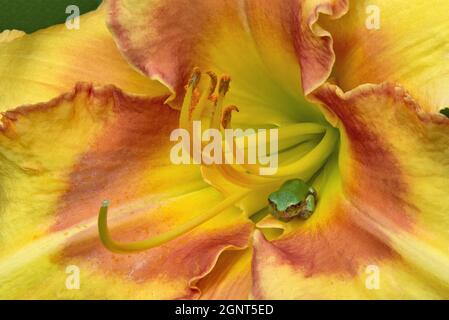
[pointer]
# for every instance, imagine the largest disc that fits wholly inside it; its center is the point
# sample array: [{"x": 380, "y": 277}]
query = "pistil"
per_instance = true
[{"x": 163, "y": 238}]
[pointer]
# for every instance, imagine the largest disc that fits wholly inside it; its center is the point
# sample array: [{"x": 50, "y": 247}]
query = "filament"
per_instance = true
[{"x": 312, "y": 161}]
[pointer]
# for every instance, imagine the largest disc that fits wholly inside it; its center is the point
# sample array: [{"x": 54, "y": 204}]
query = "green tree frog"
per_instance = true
[{"x": 295, "y": 198}]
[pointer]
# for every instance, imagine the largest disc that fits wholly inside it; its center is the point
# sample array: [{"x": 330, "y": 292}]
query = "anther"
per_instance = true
[
  {"x": 224, "y": 85},
  {"x": 213, "y": 82},
  {"x": 189, "y": 98},
  {"x": 195, "y": 78},
  {"x": 227, "y": 115}
]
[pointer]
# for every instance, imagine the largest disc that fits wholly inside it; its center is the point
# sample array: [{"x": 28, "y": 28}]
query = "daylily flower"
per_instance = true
[{"x": 361, "y": 125}]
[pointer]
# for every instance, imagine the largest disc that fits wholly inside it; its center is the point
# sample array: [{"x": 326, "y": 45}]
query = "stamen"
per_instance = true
[
  {"x": 223, "y": 88},
  {"x": 224, "y": 85},
  {"x": 185, "y": 109},
  {"x": 163, "y": 238},
  {"x": 205, "y": 97}
]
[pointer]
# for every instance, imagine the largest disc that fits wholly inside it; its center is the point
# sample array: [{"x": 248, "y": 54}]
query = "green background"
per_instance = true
[{"x": 31, "y": 15}]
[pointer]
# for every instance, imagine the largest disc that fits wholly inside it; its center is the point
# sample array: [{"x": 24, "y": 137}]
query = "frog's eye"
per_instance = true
[{"x": 312, "y": 191}]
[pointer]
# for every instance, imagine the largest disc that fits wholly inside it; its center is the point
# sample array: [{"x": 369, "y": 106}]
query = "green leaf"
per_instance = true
[{"x": 31, "y": 15}]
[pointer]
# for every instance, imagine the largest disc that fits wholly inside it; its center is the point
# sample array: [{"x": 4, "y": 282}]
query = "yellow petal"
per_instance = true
[
  {"x": 380, "y": 229},
  {"x": 60, "y": 159},
  {"x": 47, "y": 63},
  {"x": 395, "y": 41}
]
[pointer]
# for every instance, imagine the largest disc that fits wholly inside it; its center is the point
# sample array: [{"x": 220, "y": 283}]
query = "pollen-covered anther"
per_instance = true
[
  {"x": 227, "y": 115},
  {"x": 191, "y": 99},
  {"x": 195, "y": 78},
  {"x": 223, "y": 87},
  {"x": 213, "y": 83}
]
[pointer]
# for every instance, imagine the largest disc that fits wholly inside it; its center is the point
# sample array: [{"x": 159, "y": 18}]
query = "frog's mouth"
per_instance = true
[{"x": 303, "y": 149}]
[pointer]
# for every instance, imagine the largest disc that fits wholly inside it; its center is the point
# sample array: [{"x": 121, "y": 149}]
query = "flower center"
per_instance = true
[
  {"x": 301, "y": 151},
  {"x": 303, "y": 147}
]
